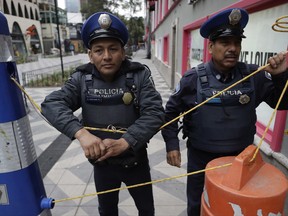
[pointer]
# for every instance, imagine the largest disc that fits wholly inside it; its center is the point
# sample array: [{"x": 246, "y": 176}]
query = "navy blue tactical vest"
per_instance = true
[
  {"x": 227, "y": 122},
  {"x": 104, "y": 107}
]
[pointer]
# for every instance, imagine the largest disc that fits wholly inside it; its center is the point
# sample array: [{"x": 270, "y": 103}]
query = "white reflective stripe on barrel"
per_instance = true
[{"x": 17, "y": 149}]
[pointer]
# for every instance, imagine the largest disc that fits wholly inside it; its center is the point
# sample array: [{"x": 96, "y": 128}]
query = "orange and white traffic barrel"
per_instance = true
[
  {"x": 22, "y": 192},
  {"x": 247, "y": 187}
]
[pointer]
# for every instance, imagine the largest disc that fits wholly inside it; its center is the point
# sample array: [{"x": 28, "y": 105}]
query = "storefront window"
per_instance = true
[{"x": 195, "y": 49}]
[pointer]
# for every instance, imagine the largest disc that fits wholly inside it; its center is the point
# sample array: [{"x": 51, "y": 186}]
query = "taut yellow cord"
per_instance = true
[
  {"x": 269, "y": 123},
  {"x": 219, "y": 93},
  {"x": 143, "y": 184},
  {"x": 26, "y": 94},
  {"x": 114, "y": 130},
  {"x": 173, "y": 177},
  {"x": 277, "y": 23}
]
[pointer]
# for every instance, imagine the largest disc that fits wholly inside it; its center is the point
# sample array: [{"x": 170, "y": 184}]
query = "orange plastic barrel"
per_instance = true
[{"x": 244, "y": 188}]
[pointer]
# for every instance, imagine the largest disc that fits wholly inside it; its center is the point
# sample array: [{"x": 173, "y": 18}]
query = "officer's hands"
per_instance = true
[
  {"x": 278, "y": 64},
  {"x": 174, "y": 158},
  {"x": 114, "y": 147},
  {"x": 92, "y": 146}
]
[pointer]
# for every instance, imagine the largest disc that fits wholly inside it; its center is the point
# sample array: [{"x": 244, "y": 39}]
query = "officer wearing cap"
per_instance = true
[
  {"x": 117, "y": 94},
  {"x": 225, "y": 125}
]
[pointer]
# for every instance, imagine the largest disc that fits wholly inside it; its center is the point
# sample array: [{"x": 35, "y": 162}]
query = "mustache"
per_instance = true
[{"x": 231, "y": 55}]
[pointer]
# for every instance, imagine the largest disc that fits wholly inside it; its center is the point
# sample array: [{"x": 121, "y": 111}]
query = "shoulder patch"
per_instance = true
[{"x": 177, "y": 89}]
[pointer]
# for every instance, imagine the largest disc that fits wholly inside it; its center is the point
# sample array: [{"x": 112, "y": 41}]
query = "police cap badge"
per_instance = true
[
  {"x": 104, "y": 21},
  {"x": 230, "y": 22},
  {"x": 234, "y": 17},
  {"x": 244, "y": 99},
  {"x": 103, "y": 25}
]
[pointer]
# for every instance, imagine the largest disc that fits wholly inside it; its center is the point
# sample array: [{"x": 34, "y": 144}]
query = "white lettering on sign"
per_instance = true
[
  {"x": 262, "y": 42},
  {"x": 258, "y": 58}
]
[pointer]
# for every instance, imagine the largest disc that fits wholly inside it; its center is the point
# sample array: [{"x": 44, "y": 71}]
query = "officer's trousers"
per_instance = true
[
  {"x": 197, "y": 160},
  {"x": 108, "y": 177}
]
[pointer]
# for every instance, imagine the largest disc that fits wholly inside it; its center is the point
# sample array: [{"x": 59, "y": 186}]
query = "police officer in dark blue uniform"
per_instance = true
[
  {"x": 226, "y": 124},
  {"x": 113, "y": 93}
]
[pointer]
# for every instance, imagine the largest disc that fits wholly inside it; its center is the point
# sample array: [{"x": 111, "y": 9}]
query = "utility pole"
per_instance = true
[{"x": 59, "y": 39}]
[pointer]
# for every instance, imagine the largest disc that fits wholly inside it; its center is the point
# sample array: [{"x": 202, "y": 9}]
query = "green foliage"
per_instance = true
[
  {"x": 93, "y": 6},
  {"x": 134, "y": 24},
  {"x": 132, "y": 6},
  {"x": 49, "y": 80},
  {"x": 112, "y": 6},
  {"x": 136, "y": 30}
]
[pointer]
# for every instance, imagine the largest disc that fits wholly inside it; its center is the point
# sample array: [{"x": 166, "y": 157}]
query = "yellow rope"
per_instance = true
[
  {"x": 182, "y": 175},
  {"x": 114, "y": 130},
  {"x": 26, "y": 94},
  {"x": 219, "y": 93},
  {"x": 173, "y": 177},
  {"x": 143, "y": 184},
  {"x": 187, "y": 174},
  {"x": 121, "y": 131},
  {"x": 277, "y": 23},
  {"x": 107, "y": 130},
  {"x": 280, "y": 24},
  {"x": 173, "y": 120},
  {"x": 269, "y": 123}
]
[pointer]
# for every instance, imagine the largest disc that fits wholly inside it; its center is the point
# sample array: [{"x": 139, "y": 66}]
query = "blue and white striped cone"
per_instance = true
[{"x": 21, "y": 187}]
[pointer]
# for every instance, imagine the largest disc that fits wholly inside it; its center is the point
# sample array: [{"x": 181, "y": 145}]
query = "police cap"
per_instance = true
[
  {"x": 230, "y": 22},
  {"x": 103, "y": 25}
]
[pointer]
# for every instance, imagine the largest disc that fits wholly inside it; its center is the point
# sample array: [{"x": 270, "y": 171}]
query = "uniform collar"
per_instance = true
[
  {"x": 219, "y": 76},
  {"x": 97, "y": 74}
]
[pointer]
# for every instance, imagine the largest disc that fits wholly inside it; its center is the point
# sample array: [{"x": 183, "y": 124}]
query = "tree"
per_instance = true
[
  {"x": 132, "y": 6},
  {"x": 112, "y": 6},
  {"x": 92, "y": 6},
  {"x": 134, "y": 24},
  {"x": 136, "y": 30}
]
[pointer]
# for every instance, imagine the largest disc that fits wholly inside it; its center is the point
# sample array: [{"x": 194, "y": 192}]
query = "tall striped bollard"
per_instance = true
[{"x": 22, "y": 192}]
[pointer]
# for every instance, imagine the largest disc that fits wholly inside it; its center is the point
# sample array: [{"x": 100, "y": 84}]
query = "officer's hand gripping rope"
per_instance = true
[{"x": 216, "y": 95}]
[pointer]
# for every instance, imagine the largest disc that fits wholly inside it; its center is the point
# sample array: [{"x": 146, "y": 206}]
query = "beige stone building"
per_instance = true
[{"x": 33, "y": 26}]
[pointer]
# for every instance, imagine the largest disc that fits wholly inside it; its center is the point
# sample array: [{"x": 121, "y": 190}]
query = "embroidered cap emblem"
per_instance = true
[
  {"x": 104, "y": 21},
  {"x": 244, "y": 99},
  {"x": 235, "y": 16}
]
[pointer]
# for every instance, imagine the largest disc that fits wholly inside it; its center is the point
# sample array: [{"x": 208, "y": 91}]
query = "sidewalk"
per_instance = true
[{"x": 72, "y": 175}]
